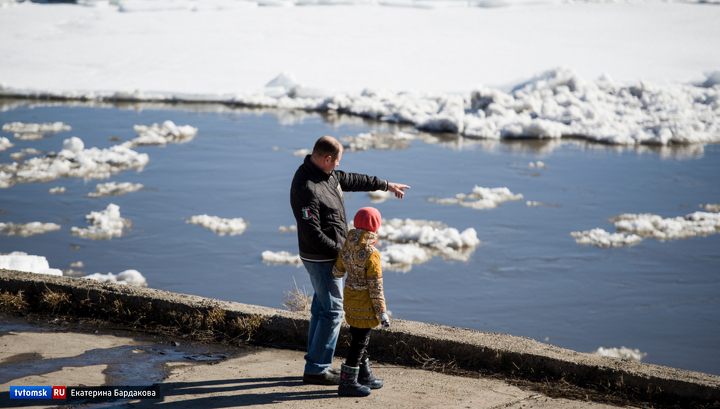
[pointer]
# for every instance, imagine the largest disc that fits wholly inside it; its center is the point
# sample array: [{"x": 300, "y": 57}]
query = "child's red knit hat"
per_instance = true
[{"x": 367, "y": 218}]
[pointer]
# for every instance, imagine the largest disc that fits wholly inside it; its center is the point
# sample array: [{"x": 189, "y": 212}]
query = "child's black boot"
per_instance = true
[
  {"x": 348, "y": 382},
  {"x": 365, "y": 376}
]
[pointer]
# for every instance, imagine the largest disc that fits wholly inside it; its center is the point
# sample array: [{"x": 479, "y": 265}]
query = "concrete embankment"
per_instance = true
[{"x": 436, "y": 347}]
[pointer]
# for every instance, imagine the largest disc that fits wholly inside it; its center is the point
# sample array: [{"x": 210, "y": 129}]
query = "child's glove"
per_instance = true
[{"x": 385, "y": 320}]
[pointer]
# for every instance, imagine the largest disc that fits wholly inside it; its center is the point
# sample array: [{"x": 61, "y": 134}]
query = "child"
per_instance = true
[{"x": 364, "y": 301}]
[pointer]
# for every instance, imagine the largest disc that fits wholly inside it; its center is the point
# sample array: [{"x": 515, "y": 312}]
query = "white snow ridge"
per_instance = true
[
  {"x": 106, "y": 224},
  {"x": 219, "y": 225},
  {"x": 481, "y": 198}
]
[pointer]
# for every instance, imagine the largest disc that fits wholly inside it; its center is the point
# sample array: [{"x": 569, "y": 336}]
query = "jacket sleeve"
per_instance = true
[
  {"x": 375, "y": 283},
  {"x": 309, "y": 226},
  {"x": 356, "y": 182},
  {"x": 339, "y": 268}
]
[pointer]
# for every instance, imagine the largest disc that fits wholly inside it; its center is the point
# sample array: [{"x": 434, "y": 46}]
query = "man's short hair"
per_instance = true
[{"x": 326, "y": 146}]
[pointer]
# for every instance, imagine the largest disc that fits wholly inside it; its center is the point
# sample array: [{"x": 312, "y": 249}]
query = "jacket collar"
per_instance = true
[{"x": 315, "y": 169}]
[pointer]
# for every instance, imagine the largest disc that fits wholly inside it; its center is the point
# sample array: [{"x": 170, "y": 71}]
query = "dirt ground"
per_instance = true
[{"x": 34, "y": 353}]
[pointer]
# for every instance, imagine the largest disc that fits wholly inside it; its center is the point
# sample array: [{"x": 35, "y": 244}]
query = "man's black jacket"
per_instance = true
[{"x": 319, "y": 208}]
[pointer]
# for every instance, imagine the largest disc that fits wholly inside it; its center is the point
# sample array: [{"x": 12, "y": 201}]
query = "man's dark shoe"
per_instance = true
[{"x": 325, "y": 378}]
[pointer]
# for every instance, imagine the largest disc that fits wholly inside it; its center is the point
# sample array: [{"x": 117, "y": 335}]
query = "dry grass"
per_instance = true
[
  {"x": 297, "y": 299},
  {"x": 54, "y": 301},
  {"x": 13, "y": 302}
]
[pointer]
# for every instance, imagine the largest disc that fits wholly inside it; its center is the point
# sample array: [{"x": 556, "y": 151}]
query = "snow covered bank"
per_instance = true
[
  {"x": 72, "y": 161},
  {"x": 219, "y": 225},
  {"x": 106, "y": 224},
  {"x": 553, "y": 104},
  {"x": 21, "y": 261},
  {"x": 27, "y": 229},
  {"x": 481, "y": 198}
]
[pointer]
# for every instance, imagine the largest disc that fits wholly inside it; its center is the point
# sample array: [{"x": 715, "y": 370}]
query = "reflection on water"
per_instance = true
[{"x": 527, "y": 278}]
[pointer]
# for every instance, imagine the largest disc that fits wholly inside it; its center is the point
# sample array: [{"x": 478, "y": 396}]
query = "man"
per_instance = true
[{"x": 316, "y": 197}]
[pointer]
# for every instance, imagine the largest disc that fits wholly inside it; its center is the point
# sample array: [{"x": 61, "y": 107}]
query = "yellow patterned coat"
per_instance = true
[{"x": 363, "y": 297}]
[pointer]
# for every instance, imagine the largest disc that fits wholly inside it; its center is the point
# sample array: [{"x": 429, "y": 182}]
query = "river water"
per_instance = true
[{"x": 528, "y": 277}]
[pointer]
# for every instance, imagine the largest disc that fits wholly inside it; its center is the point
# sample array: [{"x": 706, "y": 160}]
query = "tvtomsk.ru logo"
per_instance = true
[{"x": 37, "y": 392}]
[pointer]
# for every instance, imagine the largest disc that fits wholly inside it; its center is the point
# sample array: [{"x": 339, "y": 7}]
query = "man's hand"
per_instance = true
[
  {"x": 385, "y": 320},
  {"x": 398, "y": 189}
]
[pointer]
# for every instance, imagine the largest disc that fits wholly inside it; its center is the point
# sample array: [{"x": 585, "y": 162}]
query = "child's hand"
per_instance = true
[{"x": 385, "y": 320}]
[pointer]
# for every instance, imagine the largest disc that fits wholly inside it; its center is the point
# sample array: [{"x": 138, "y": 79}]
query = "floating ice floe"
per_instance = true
[
  {"x": 416, "y": 241},
  {"x": 127, "y": 277},
  {"x": 219, "y": 225},
  {"x": 601, "y": 238},
  {"x": 658, "y": 227},
  {"x": 5, "y": 143},
  {"x": 377, "y": 140},
  {"x": 302, "y": 152},
  {"x": 27, "y": 229},
  {"x": 161, "y": 135},
  {"x": 711, "y": 207},
  {"x": 106, "y": 224},
  {"x": 538, "y": 204},
  {"x": 115, "y": 189},
  {"x": 282, "y": 257},
  {"x": 622, "y": 352},
  {"x": 34, "y": 131},
  {"x": 73, "y": 161},
  {"x": 21, "y": 261},
  {"x": 538, "y": 164},
  {"x": 57, "y": 189},
  {"x": 285, "y": 229},
  {"x": 481, "y": 198},
  {"x": 379, "y": 196}
]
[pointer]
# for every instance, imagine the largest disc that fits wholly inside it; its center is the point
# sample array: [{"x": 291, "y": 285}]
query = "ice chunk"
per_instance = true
[
  {"x": 127, "y": 277},
  {"x": 73, "y": 161},
  {"x": 161, "y": 135},
  {"x": 712, "y": 207},
  {"x": 219, "y": 225},
  {"x": 30, "y": 131},
  {"x": 115, "y": 189},
  {"x": 5, "y": 143},
  {"x": 622, "y": 352},
  {"x": 657, "y": 227},
  {"x": 601, "y": 238},
  {"x": 379, "y": 196},
  {"x": 21, "y": 261},
  {"x": 57, "y": 189},
  {"x": 481, "y": 198},
  {"x": 27, "y": 229},
  {"x": 106, "y": 224},
  {"x": 282, "y": 257}
]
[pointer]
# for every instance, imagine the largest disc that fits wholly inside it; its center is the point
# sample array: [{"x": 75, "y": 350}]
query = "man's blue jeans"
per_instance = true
[{"x": 326, "y": 316}]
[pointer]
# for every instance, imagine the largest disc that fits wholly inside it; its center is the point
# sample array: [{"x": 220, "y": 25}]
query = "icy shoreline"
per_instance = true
[{"x": 554, "y": 104}]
